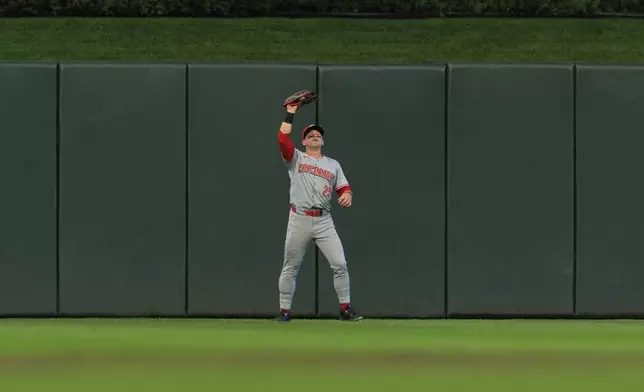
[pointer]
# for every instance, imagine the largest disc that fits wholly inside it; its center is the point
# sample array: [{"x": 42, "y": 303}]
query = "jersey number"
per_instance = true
[{"x": 327, "y": 191}]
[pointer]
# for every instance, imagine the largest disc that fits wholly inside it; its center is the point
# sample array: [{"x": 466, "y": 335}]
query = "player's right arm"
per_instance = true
[{"x": 287, "y": 148}]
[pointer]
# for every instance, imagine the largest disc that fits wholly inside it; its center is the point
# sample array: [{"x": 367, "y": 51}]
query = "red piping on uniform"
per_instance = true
[{"x": 287, "y": 148}]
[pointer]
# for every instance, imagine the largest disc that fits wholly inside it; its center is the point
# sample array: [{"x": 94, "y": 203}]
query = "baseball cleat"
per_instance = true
[
  {"x": 349, "y": 314},
  {"x": 284, "y": 316}
]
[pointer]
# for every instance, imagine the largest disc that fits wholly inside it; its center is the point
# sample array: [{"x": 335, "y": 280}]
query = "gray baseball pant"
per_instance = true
[{"x": 301, "y": 230}]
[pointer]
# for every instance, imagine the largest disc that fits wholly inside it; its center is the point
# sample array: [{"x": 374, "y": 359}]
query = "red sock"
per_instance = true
[
  {"x": 284, "y": 310},
  {"x": 344, "y": 307}
]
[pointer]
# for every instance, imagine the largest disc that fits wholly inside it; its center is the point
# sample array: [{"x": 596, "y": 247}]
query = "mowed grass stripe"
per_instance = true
[
  {"x": 322, "y": 40},
  {"x": 24, "y": 337},
  {"x": 441, "y": 379}
]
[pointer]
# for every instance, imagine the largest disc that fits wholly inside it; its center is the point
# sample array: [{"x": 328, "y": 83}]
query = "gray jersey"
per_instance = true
[{"x": 314, "y": 180}]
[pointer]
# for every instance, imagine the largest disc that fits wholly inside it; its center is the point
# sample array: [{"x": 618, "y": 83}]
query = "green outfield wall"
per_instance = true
[{"x": 142, "y": 189}]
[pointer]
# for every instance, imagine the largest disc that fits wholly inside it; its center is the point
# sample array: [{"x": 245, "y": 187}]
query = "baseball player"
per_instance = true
[{"x": 314, "y": 179}]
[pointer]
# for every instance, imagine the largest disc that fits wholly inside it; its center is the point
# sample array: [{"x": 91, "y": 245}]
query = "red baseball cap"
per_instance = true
[{"x": 310, "y": 128}]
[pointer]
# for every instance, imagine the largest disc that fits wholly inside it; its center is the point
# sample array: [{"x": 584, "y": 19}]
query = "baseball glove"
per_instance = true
[{"x": 300, "y": 98}]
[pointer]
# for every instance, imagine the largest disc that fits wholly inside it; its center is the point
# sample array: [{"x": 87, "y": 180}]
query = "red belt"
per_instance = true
[{"x": 309, "y": 212}]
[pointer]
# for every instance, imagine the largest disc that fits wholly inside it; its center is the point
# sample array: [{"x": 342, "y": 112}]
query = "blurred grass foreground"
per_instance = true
[{"x": 374, "y": 355}]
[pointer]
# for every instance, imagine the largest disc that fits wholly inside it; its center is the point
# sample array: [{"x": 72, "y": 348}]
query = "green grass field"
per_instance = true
[
  {"x": 322, "y": 40},
  {"x": 374, "y": 355}
]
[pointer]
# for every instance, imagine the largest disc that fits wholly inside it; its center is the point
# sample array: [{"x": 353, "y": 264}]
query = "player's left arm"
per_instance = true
[{"x": 343, "y": 188}]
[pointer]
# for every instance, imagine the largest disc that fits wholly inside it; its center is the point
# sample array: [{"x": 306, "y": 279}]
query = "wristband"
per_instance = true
[{"x": 289, "y": 118}]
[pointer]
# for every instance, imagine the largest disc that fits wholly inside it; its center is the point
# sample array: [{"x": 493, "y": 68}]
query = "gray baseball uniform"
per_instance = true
[{"x": 313, "y": 181}]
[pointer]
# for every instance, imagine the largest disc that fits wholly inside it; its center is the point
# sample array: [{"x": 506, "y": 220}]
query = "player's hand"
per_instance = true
[
  {"x": 345, "y": 200},
  {"x": 291, "y": 108}
]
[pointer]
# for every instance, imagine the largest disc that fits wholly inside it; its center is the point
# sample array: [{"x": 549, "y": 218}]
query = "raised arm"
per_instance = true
[
  {"x": 287, "y": 124},
  {"x": 287, "y": 149}
]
